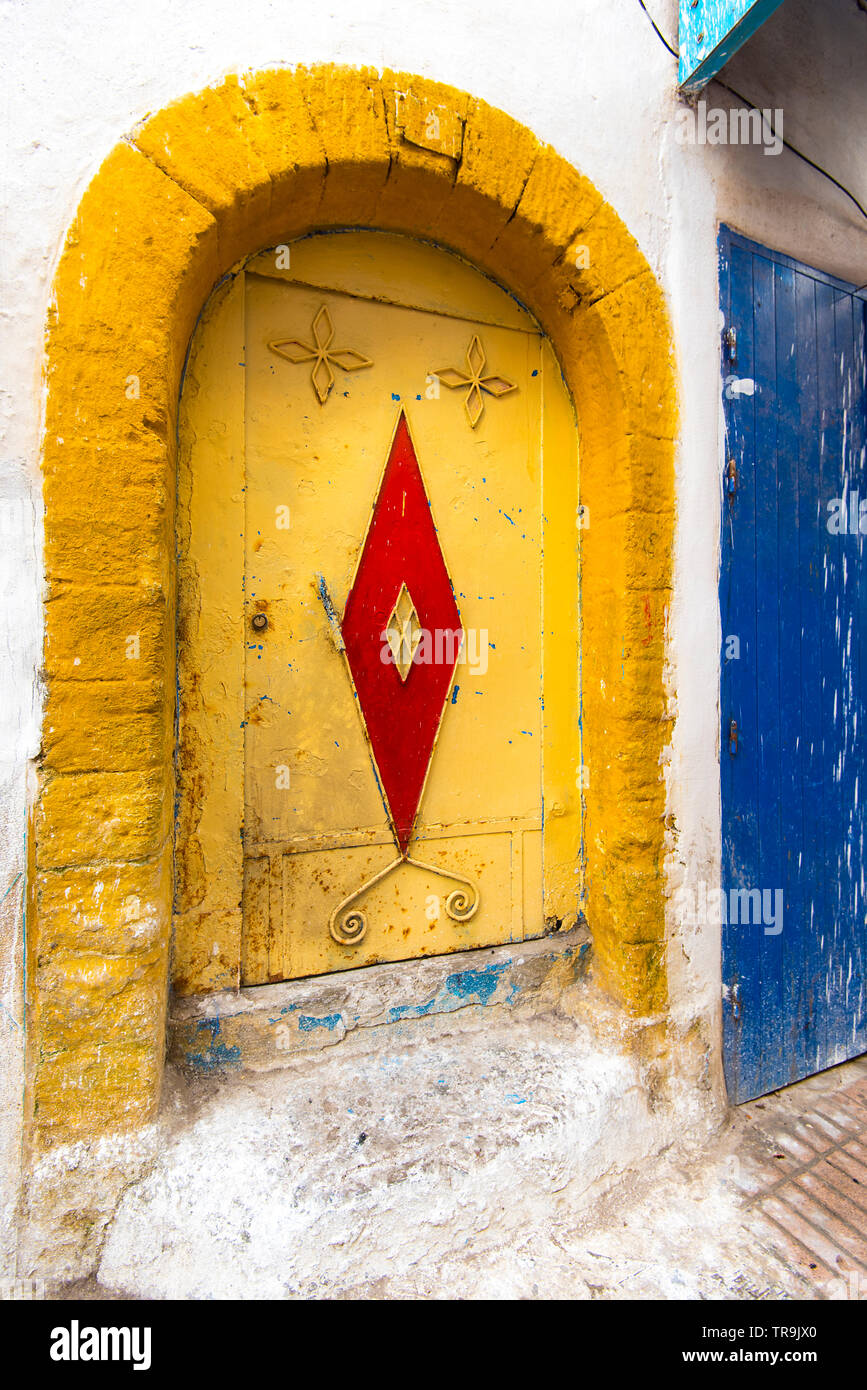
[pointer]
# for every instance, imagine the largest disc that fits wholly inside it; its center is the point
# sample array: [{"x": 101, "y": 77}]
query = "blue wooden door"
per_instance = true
[{"x": 793, "y": 601}]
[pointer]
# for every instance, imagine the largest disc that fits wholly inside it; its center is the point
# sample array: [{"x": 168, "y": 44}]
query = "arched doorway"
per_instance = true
[
  {"x": 378, "y": 600},
  {"x": 175, "y": 207}
]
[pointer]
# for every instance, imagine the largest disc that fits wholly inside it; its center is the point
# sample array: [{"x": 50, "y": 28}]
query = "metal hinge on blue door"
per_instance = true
[{"x": 793, "y": 600}]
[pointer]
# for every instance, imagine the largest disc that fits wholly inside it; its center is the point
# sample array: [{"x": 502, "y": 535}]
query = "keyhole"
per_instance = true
[{"x": 259, "y": 622}]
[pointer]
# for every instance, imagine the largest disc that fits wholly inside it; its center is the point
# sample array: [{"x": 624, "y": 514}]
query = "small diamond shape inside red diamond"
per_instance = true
[{"x": 402, "y": 713}]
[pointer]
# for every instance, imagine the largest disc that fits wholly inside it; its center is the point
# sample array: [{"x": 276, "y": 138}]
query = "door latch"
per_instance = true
[{"x": 733, "y": 737}]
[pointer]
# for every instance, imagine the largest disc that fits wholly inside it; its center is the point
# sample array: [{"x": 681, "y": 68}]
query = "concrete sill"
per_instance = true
[{"x": 264, "y": 1027}]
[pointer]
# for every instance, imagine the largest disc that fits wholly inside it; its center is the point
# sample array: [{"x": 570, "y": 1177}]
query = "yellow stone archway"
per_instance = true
[{"x": 197, "y": 188}]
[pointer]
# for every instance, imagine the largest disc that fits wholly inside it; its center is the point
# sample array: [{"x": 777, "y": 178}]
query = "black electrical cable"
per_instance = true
[
  {"x": 806, "y": 158},
  {"x": 673, "y": 51},
  {"x": 746, "y": 101}
]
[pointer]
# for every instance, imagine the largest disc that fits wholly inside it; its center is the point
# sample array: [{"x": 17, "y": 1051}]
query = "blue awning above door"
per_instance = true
[{"x": 711, "y": 31}]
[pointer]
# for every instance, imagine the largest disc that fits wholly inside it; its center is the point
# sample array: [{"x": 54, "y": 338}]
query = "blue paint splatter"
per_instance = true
[
  {"x": 401, "y": 1011},
  {"x": 216, "y": 1055},
  {"x": 455, "y": 694},
  {"x": 287, "y": 1009},
  {"x": 481, "y": 982},
  {"x": 307, "y": 1022},
  {"x": 217, "y": 1058}
]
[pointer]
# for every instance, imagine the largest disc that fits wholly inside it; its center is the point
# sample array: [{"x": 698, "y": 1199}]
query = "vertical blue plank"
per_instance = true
[
  {"x": 847, "y": 978},
  {"x": 740, "y": 826},
  {"x": 832, "y": 479},
  {"x": 858, "y": 431},
  {"x": 804, "y": 954},
  {"x": 783, "y": 953},
  {"x": 728, "y": 665},
  {"x": 768, "y": 593}
]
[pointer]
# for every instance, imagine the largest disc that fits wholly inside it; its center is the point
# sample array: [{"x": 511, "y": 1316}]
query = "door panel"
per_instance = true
[
  {"x": 287, "y": 891},
  {"x": 792, "y": 597},
  {"x": 371, "y": 344},
  {"x": 329, "y": 461},
  {"x": 302, "y": 712}
]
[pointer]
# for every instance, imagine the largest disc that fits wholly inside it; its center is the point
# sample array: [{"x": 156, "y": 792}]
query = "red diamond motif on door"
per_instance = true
[{"x": 402, "y": 647}]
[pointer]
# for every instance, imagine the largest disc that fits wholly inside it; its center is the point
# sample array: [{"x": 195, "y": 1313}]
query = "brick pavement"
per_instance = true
[{"x": 803, "y": 1168}]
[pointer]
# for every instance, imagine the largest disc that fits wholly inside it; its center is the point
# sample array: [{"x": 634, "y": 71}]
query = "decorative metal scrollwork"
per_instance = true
[{"x": 348, "y": 924}]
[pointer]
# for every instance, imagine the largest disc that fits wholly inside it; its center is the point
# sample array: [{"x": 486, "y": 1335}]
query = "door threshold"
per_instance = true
[{"x": 264, "y": 1026}]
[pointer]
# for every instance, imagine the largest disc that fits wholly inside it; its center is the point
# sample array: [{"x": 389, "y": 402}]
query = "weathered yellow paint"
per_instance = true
[
  {"x": 100, "y": 909},
  {"x": 353, "y": 263},
  {"x": 314, "y": 825},
  {"x": 563, "y": 780},
  {"x": 87, "y": 817},
  {"x": 210, "y": 539},
  {"x": 204, "y": 184},
  {"x": 437, "y": 129}
]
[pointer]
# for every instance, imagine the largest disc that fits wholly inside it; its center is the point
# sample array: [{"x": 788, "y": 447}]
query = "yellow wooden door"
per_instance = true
[{"x": 404, "y": 554}]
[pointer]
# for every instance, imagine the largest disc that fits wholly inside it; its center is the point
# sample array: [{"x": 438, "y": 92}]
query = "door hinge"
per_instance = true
[
  {"x": 733, "y": 737},
  {"x": 731, "y": 478},
  {"x": 730, "y": 338}
]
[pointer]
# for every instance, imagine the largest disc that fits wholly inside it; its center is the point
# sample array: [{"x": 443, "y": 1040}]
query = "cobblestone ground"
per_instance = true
[{"x": 805, "y": 1176}]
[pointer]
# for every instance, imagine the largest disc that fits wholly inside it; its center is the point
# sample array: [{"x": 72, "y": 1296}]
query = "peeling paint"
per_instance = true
[{"x": 307, "y": 1022}]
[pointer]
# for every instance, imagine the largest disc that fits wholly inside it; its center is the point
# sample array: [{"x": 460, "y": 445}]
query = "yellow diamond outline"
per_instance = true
[{"x": 399, "y": 623}]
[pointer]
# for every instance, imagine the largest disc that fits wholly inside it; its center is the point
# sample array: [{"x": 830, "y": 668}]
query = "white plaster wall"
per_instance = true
[{"x": 589, "y": 76}]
